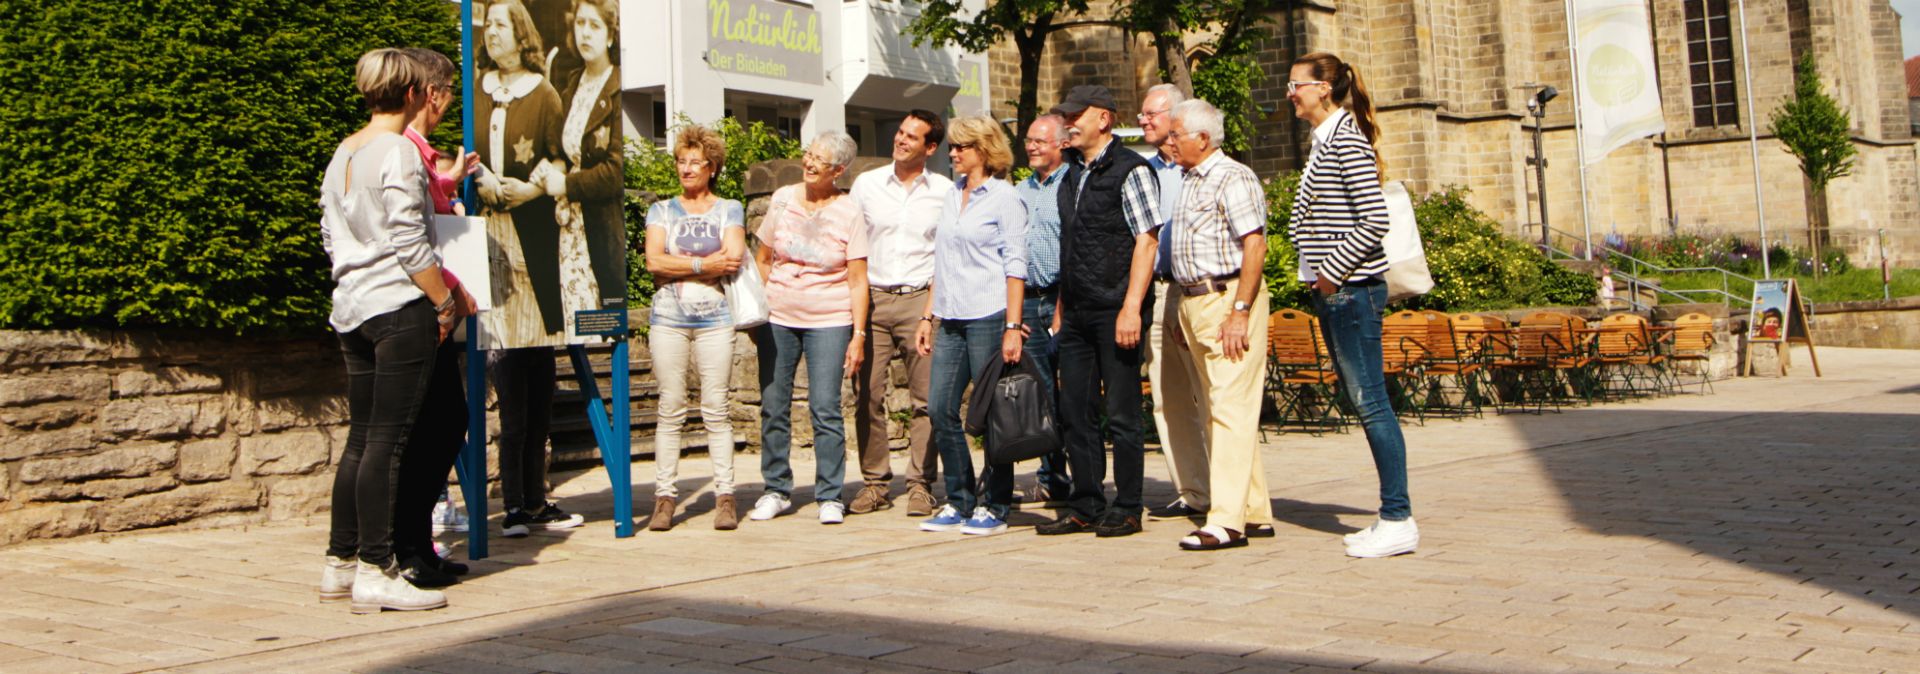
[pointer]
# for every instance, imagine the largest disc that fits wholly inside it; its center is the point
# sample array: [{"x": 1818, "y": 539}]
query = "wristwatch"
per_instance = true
[
  {"x": 1242, "y": 306},
  {"x": 1015, "y": 326}
]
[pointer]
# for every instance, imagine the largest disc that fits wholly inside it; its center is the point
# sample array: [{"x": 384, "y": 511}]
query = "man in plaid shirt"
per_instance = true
[{"x": 1219, "y": 245}]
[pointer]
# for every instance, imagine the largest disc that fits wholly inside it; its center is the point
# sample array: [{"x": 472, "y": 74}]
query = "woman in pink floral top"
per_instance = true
[{"x": 813, "y": 253}]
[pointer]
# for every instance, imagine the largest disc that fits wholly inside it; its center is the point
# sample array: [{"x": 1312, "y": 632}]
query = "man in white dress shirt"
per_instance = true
[{"x": 902, "y": 203}]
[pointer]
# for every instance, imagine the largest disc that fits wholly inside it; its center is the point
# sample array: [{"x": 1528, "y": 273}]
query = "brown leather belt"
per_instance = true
[
  {"x": 1209, "y": 286},
  {"x": 900, "y": 290}
]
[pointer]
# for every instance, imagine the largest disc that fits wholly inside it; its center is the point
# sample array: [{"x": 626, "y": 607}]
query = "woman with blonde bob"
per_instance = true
[
  {"x": 695, "y": 242},
  {"x": 979, "y": 284},
  {"x": 391, "y": 308}
]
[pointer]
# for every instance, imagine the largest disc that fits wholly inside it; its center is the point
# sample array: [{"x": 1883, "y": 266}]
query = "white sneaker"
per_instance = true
[
  {"x": 376, "y": 589},
  {"x": 1386, "y": 538},
  {"x": 1360, "y": 535},
  {"x": 833, "y": 512},
  {"x": 447, "y": 517},
  {"x": 336, "y": 579},
  {"x": 768, "y": 507}
]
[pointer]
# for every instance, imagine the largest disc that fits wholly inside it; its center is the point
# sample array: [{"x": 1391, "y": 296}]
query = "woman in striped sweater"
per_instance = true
[{"x": 1339, "y": 219}]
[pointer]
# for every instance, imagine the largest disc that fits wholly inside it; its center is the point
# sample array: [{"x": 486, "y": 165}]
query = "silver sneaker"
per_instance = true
[
  {"x": 376, "y": 589},
  {"x": 336, "y": 579}
]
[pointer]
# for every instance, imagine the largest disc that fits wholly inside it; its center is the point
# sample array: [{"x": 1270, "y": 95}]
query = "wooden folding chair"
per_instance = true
[
  {"x": 1403, "y": 350},
  {"x": 1452, "y": 352},
  {"x": 1692, "y": 342},
  {"x": 1301, "y": 378},
  {"x": 1628, "y": 358}
]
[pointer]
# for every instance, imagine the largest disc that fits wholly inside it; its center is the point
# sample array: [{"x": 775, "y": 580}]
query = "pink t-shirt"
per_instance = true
[{"x": 807, "y": 280}]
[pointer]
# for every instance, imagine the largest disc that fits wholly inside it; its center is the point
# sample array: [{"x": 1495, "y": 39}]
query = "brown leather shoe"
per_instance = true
[
  {"x": 662, "y": 519},
  {"x": 919, "y": 500},
  {"x": 872, "y": 498},
  {"x": 726, "y": 517}
]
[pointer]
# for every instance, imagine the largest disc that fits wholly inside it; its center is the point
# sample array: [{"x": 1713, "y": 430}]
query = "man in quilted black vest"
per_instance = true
[{"x": 1109, "y": 215}]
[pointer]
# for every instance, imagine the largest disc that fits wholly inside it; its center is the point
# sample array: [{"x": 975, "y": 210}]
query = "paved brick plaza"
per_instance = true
[{"x": 1769, "y": 527}]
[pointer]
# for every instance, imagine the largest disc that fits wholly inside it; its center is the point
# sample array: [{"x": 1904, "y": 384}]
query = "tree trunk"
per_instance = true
[
  {"x": 1173, "y": 59},
  {"x": 1816, "y": 225},
  {"x": 1032, "y": 44}
]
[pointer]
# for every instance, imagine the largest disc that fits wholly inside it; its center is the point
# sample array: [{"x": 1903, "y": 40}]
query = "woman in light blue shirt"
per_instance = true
[{"x": 979, "y": 280}]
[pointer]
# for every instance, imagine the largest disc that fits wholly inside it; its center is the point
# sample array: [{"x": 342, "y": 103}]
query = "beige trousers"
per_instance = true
[{"x": 1230, "y": 402}]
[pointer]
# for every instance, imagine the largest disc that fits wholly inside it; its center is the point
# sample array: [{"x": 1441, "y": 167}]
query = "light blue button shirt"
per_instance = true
[
  {"x": 977, "y": 248},
  {"x": 1043, "y": 227},
  {"x": 1169, "y": 174}
]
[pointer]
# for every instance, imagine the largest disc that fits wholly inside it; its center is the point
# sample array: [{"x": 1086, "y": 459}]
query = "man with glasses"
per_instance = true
[
  {"x": 1169, "y": 370},
  {"x": 1109, "y": 220},
  {"x": 1219, "y": 246},
  {"x": 1046, "y": 138},
  {"x": 902, "y": 203}
]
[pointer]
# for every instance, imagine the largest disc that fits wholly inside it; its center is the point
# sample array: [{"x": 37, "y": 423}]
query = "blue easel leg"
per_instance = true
[
  {"x": 472, "y": 464},
  {"x": 598, "y": 418}
]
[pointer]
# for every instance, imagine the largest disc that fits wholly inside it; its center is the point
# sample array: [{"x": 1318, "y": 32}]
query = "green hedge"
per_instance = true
[
  {"x": 1475, "y": 267},
  {"x": 162, "y": 159}
]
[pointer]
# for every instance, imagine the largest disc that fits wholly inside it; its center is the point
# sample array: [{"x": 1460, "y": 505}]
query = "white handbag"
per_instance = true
[
  {"x": 747, "y": 297},
  {"x": 1407, "y": 274}
]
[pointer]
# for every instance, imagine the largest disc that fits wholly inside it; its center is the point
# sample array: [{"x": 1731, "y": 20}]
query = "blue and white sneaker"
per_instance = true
[
  {"x": 983, "y": 523},
  {"x": 947, "y": 519}
]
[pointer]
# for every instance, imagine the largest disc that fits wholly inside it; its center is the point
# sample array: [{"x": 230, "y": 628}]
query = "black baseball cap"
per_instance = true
[{"x": 1085, "y": 96}]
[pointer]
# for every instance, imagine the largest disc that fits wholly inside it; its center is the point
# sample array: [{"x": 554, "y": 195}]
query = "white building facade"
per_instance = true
[{"x": 799, "y": 66}]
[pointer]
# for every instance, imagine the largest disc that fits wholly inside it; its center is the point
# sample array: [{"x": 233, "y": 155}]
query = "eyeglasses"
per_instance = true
[
  {"x": 1041, "y": 142},
  {"x": 1190, "y": 135},
  {"x": 817, "y": 160},
  {"x": 960, "y": 147},
  {"x": 691, "y": 163},
  {"x": 1295, "y": 86},
  {"x": 1148, "y": 115}
]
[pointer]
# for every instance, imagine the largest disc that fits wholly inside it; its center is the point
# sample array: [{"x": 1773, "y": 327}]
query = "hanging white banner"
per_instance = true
[{"x": 1619, "y": 94}]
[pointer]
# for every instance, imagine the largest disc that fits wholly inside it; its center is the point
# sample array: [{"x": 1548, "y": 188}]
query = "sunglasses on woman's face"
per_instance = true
[
  {"x": 1295, "y": 86},
  {"x": 962, "y": 147}
]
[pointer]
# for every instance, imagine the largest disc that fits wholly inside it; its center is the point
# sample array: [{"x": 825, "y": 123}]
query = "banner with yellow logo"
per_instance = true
[{"x": 1619, "y": 94}]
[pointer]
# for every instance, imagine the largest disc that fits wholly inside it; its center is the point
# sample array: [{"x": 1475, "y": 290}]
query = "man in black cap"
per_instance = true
[{"x": 1109, "y": 215}]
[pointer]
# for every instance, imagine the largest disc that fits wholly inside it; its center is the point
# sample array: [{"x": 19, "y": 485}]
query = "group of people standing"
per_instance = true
[
  {"x": 1106, "y": 268},
  {"x": 1100, "y": 266}
]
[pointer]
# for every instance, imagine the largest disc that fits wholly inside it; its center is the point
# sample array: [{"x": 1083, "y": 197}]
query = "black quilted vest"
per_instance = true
[{"x": 1096, "y": 247}]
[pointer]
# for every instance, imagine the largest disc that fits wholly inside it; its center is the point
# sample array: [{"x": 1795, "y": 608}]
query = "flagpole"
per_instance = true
[
  {"x": 1579, "y": 140},
  {"x": 1753, "y": 145}
]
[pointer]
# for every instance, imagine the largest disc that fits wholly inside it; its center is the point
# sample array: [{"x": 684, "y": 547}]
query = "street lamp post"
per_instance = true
[{"x": 1537, "y": 105}]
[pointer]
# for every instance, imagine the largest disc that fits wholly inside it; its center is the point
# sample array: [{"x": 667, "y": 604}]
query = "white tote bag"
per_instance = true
[
  {"x": 747, "y": 297},
  {"x": 1407, "y": 274}
]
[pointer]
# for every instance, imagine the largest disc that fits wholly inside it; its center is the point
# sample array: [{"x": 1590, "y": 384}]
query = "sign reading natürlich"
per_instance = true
[{"x": 764, "y": 38}]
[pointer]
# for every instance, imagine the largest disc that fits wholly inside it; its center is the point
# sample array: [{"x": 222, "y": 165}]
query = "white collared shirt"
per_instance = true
[{"x": 900, "y": 218}]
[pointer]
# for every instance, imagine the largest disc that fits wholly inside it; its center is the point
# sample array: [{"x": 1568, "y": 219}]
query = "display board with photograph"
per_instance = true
[
  {"x": 1778, "y": 318},
  {"x": 547, "y": 126}
]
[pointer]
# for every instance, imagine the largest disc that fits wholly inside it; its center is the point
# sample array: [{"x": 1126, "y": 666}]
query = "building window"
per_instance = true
[
  {"x": 789, "y": 127},
  {"x": 660, "y": 120},
  {"x": 1710, "y": 63}
]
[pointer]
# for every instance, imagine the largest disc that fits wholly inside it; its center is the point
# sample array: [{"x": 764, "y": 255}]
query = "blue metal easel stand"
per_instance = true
[
  {"x": 612, "y": 431},
  {"x": 472, "y": 464}
]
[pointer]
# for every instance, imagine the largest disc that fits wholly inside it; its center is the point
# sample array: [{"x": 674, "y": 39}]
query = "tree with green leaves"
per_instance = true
[
  {"x": 1227, "y": 76},
  {"x": 1027, "y": 22},
  {"x": 1818, "y": 132}
]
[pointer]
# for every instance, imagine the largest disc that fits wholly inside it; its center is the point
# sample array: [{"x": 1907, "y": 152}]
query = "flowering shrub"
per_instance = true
[{"x": 1740, "y": 256}]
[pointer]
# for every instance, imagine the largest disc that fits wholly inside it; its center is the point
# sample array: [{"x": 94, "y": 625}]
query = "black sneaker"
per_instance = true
[
  {"x": 552, "y": 517},
  {"x": 1067, "y": 524},
  {"x": 1177, "y": 510},
  {"x": 1116, "y": 523},
  {"x": 517, "y": 523},
  {"x": 423, "y": 573},
  {"x": 448, "y": 566}
]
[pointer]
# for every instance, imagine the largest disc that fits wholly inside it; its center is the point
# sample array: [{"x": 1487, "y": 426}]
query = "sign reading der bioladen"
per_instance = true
[{"x": 764, "y": 38}]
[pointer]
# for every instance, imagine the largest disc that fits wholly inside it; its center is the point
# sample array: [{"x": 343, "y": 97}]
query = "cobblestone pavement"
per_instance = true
[{"x": 1768, "y": 527}]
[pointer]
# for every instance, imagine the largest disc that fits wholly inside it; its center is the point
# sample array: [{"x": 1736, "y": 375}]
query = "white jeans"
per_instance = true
[{"x": 709, "y": 353}]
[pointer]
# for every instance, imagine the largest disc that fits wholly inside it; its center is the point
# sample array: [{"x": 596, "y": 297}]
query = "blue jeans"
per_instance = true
[
  {"x": 1350, "y": 322},
  {"x": 1037, "y": 313},
  {"x": 781, "y": 349},
  {"x": 961, "y": 348}
]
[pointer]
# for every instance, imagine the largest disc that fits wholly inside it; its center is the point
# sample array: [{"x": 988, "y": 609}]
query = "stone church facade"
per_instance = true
[{"x": 1451, "y": 79}]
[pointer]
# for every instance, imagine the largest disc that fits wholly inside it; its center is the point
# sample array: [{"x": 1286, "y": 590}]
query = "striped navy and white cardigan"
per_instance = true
[{"x": 1339, "y": 216}]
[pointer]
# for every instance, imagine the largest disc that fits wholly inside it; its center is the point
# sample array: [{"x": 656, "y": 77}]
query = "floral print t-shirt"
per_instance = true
[{"x": 807, "y": 280}]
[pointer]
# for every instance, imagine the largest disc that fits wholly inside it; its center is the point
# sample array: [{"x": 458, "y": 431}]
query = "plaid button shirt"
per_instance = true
[{"x": 1220, "y": 203}]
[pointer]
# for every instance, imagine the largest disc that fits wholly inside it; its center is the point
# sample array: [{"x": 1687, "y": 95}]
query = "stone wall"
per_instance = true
[
  {"x": 1878, "y": 324},
  {"x": 109, "y": 431}
]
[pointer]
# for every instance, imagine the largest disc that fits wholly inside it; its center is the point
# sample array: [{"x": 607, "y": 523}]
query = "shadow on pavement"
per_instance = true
[{"x": 1820, "y": 497}]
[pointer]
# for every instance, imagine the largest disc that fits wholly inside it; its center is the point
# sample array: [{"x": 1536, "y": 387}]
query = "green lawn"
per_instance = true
[{"x": 1859, "y": 284}]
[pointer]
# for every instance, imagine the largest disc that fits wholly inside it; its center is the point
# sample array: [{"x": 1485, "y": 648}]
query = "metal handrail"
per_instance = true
[{"x": 1634, "y": 281}]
